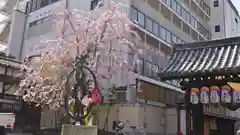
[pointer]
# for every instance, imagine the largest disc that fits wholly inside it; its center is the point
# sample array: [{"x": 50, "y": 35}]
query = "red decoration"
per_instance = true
[
  {"x": 96, "y": 96},
  {"x": 180, "y": 133}
]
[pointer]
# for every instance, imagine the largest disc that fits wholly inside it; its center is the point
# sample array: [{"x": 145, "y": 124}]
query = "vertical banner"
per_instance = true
[
  {"x": 194, "y": 96},
  {"x": 226, "y": 94},
  {"x": 215, "y": 94},
  {"x": 204, "y": 95}
]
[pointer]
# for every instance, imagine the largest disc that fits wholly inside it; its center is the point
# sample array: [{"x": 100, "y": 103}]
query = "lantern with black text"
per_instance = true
[
  {"x": 204, "y": 95},
  {"x": 194, "y": 97},
  {"x": 214, "y": 94},
  {"x": 226, "y": 94},
  {"x": 236, "y": 96}
]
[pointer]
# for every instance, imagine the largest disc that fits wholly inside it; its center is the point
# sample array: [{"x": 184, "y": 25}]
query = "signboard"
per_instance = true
[
  {"x": 9, "y": 102},
  {"x": 226, "y": 94},
  {"x": 214, "y": 94},
  {"x": 204, "y": 95},
  {"x": 219, "y": 111},
  {"x": 194, "y": 96}
]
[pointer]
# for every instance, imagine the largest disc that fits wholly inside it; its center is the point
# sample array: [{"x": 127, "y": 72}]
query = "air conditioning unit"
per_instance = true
[{"x": 122, "y": 94}]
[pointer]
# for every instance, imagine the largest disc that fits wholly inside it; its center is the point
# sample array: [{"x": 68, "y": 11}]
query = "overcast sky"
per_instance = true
[{"x": 237, "y": 4}]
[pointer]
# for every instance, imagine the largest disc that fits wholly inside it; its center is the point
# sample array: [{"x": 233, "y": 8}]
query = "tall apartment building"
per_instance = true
[
  {"x": 225, "y": 19},
  {"x": 160, "y": 23},
  {"x": 6, "y": 7}
]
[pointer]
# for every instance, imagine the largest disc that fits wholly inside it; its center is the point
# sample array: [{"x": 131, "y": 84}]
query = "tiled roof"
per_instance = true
[{"x": 217, "y": 56}]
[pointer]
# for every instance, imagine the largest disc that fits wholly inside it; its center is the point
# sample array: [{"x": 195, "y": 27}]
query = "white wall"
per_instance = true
[
  {"x": 217, "y": 19},
  {"x": 16, "y": 34},
  {"x": 232, "y": 28},
  {"x": 224, "y": 15},
  {"x": 158, "y": 120},
  {"x": 45, "y": 30}
]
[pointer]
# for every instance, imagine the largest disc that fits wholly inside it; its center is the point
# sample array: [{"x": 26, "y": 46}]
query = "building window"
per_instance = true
[
  {"x": 141, "y": 19},
  {"x": 174, "y": 5},
  {"x": 162, "y": 33},
  {"x": 52, "y": 1},
  {"x": 174, "y": 39},
  {"x": 168, "y": 2},
  {"x": 40, "y": 21},
  {"x": 179, "y": 10},
  {"x": 29, "y": 7},
  {"x": 44, "y": 3},
  {"x": 155, "y": 29},
  {"x": 177, "y": 21},
  {"x": 31, "y": 24},
  {"x": 194, "y": 22},
  {"x": 168, "y": 34},
  {"x": 134, "y": 14},
  {"x": 184, "y": 14},
  {"x": 149, "y": 24},
  {"x": 188, "y": 17},
  {"x": 236, "y": 20},
  {"x": 201, "y": 3},
  {"x": 217, "y": 28},
  {"x": 206, "y": 8},
  {"x": 216, "y": 3},
  {"x": 34, "y": 6},
  {"x": 94, "y": 3}
]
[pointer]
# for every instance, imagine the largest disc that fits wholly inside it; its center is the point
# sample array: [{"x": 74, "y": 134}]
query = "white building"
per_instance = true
[
  {"x": 225, "y": 19},
  {"x": 6, "y": 7},
  {"x": 159, "y": 22}
]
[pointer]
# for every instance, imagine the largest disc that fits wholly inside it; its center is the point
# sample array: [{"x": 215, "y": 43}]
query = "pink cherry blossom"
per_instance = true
[{"x": 106, "y": 29}]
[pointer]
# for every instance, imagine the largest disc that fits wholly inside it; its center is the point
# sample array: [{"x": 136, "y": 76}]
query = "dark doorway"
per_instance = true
[
  {"x": 28, "y": 118},
  {"x": 197, "y": 119},
  {"x": 225, "y": 126}
]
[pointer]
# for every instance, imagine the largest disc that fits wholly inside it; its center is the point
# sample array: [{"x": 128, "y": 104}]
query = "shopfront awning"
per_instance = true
[{"x": 201, "y": 58}]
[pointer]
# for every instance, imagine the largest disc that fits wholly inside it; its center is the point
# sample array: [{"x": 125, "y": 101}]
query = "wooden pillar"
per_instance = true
[
  {"x": 188, "y": 111},
  {"x": 197, "y": 119},
  {"x": 206, "y": 127}
]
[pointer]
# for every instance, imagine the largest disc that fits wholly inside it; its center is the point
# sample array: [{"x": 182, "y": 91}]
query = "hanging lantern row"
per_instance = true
[{"x": 214, "y": 95}]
